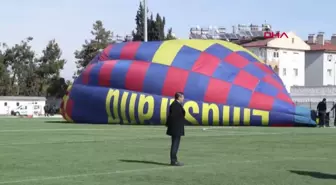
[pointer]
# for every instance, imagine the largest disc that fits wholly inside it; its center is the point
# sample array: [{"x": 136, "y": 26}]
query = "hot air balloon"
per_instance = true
[{"x": 224, "y": 85}]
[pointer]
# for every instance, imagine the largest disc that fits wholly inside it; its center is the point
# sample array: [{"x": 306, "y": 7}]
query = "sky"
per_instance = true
[{"x": 70, "y": 21}]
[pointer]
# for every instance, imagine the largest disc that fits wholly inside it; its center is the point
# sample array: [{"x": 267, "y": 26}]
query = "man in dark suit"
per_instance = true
[
  {"x": 175, "y": 124},
  {"x": 322, "y": 110}
]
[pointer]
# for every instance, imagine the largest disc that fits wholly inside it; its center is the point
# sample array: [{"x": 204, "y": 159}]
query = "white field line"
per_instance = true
[
  {"x": 104, "y": 173},
  {"x": 130, "y": 127},
  {"x": 100, "y": 129},
  {"x": 146, "y": 170},
  {"x": 120, "y": 138},
  {"x": 52, "y": 130},
  {"x": 92, "y": 129},
  {"x": 118, "y": 127}
]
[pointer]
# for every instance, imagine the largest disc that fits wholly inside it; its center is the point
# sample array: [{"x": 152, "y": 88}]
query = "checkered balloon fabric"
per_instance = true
[{"x": 224, "y": 84}]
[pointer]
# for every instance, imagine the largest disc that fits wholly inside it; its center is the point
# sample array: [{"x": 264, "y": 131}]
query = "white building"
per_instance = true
[
  {"x": 285, "y": 55},
  {"x": 321, "y": 61},
  {"x": 9, "y": 103}
]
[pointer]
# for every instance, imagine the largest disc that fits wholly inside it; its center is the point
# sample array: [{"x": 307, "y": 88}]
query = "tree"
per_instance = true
[
  {"x": 49, "y": 66},
  {"x": 138, "y": 35},
  {"x": 4, "y": 72},
  {"x": 170, "y": 35},
  {"x": 155, "y": 27},
  {"x": 20, "y": 59},
  {"x": 68, "y": 82},
  {"x": 159, "y": 25},
  {"x": 57, "y": 87},
  {"x": 23, "y": 74},
  {"x": 90, "y": 49}
]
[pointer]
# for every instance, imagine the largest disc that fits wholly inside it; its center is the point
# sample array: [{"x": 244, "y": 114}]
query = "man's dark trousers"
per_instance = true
[
  {"x": 322, "y": 118},
  {"x": 175, "y": 143}
]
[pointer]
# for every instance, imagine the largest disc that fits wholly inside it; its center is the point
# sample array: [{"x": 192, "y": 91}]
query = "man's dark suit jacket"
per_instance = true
[
  {"x": 175, "y": 120},
  {"x": 321, "y": 108}
]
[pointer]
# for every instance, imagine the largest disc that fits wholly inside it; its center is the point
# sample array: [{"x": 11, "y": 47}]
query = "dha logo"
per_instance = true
[{"x": 271, "y": 35}]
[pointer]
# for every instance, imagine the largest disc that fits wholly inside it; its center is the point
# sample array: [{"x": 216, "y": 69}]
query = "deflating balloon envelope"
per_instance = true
[{"x": 224, "y": 85}]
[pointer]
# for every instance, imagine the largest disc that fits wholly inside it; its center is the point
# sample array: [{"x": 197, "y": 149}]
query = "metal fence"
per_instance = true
[{"x": 313, "y": 106}]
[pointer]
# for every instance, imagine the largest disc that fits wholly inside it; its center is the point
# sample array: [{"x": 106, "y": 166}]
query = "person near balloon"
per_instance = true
[
  {"x": 175, "y": 126},
  {"x": 334, "y": 109},
  {"x": 322, "y": 110}
]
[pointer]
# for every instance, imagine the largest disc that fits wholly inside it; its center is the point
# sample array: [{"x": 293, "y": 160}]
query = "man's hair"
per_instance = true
[{"x": 178, "y": 94}]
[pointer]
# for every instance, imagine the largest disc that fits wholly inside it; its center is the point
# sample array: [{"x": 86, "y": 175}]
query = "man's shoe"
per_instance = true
[{"x": 176, "y": 164}]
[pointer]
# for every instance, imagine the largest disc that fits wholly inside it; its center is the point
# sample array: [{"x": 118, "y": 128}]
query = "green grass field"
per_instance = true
[{"x": 46, "y": 152}]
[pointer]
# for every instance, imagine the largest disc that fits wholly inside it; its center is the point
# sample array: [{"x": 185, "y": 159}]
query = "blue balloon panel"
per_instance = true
[{"x": 224, "y": 84}]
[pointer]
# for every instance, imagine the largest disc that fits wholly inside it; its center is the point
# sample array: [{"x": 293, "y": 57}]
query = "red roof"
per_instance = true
[
  {"x": 258, "y": 43},
  {"x": 313, "y": 47},
  {"x": 327, "y": 46}
]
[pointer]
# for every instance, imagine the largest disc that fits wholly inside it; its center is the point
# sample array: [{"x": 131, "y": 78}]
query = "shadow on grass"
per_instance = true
[
  {"x": 317, "y": 175},
  {"x": 64, "y": 121},
  {"x": 144, "y": 162},
  {"x": 55, "y": 121}
]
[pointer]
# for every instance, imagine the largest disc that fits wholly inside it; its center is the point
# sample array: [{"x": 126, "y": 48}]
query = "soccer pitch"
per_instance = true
[{"x": 49, "y": 152}]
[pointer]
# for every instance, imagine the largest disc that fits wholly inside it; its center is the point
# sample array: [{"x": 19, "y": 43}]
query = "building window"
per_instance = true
[
  {"x": 296, "y": 72},
  {"x": 292, "y": 40},
  {"x": 5, "y": 103},
  {"x": 284, "y": 71},
  {"x": 329, "y": 72},
  {"x": 17, "y": 103},
  {"x": 329, "y": 58},
  {"x": 261, "y": 53},
  {"x": 276, "y": 54}
]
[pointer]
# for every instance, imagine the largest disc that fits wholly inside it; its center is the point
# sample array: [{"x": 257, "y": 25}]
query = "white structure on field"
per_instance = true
[{"x": 11, "y": 103}]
